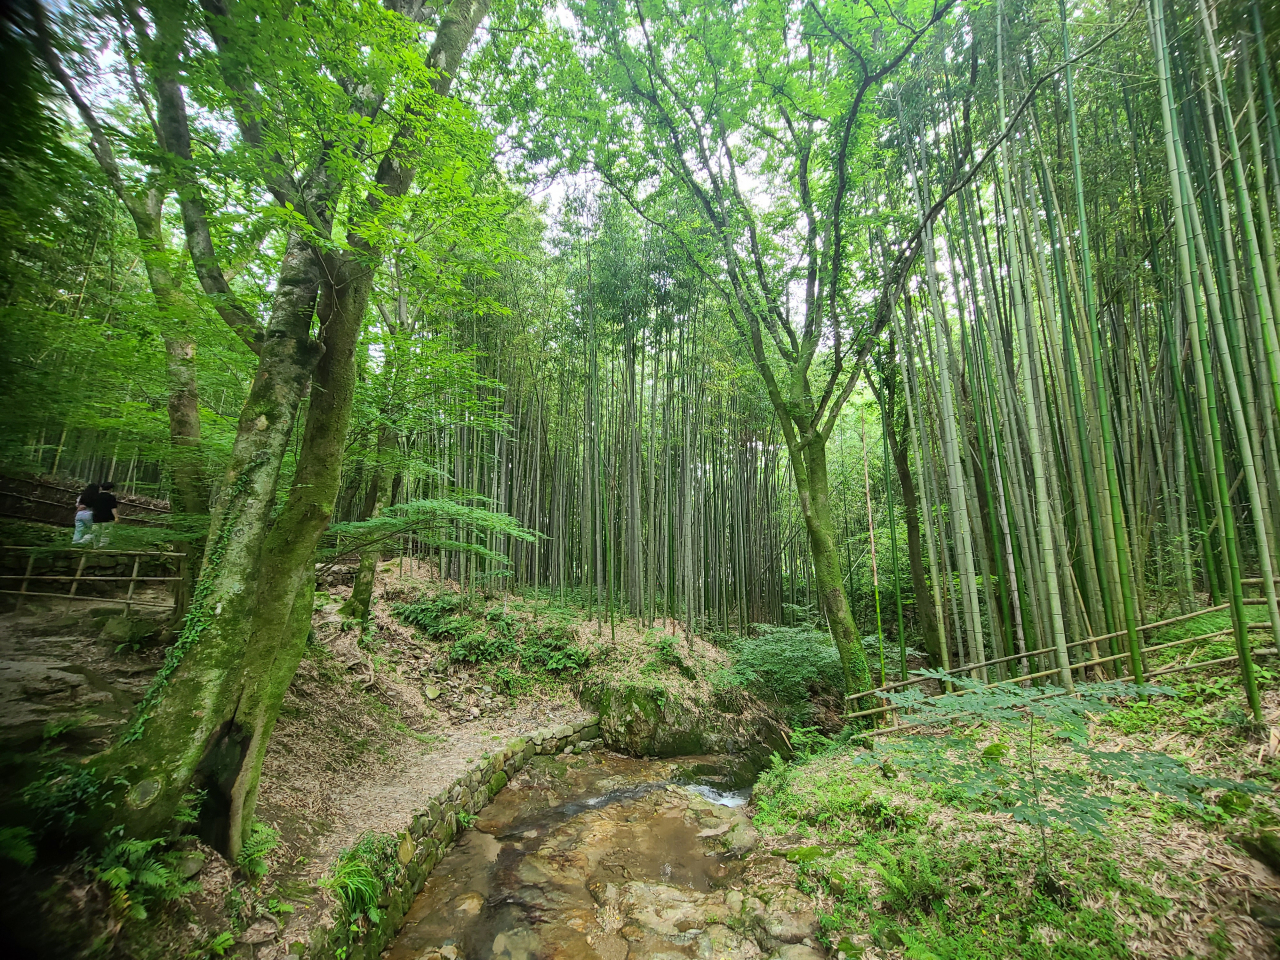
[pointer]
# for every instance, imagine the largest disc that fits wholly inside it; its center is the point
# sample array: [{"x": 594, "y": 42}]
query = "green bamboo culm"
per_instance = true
[
  {"x": 1185, "y": 220},
  {"x": 1124, "y": 563},
  {"x": 893, "y": 544}
]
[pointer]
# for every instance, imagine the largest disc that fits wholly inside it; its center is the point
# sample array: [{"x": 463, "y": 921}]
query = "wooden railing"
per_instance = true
[
  {"x": 133, "y": 579},
  {"x": 1051, "y": 652}
]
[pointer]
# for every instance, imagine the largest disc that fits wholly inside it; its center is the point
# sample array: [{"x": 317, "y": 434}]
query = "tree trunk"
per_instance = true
[
  {"x": 809, "y": 466},
  {"x": 169, "y": 745}
]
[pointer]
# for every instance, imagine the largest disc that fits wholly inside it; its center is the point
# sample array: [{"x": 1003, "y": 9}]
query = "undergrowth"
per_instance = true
[
  {"x": 141, "y": 874},
  {"x": 897, "y": 841},
  {"x": 494, "y": 637},
  {"x": 360, "y": 874},
  {"x": 787, "y": 665}
]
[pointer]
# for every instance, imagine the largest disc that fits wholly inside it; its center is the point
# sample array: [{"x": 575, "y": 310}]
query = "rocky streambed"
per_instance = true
[{"x": 606, "y": 857}]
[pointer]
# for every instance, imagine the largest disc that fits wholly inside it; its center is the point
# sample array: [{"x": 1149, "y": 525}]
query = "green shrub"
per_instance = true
[
  {"x": 361, "y": 873},
  {"x": 787, "y": 663}
]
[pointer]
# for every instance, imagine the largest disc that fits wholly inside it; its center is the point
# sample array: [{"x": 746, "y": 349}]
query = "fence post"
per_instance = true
[
  {"x": 22, "y": 591},
  {"x": 133, "y": 580},
  {"x": 76, "y": 580}
]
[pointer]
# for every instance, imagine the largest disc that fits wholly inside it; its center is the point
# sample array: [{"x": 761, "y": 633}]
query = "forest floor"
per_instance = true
[
  {"x": 919, "y": 847},
  {"x": 1109, "y": 833},
  {"x": 376, "y": 722}
]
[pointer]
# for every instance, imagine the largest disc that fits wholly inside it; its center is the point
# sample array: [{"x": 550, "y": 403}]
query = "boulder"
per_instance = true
[
  {"x": 648, "y": 720},
  {"x": 126, "y": 631}
]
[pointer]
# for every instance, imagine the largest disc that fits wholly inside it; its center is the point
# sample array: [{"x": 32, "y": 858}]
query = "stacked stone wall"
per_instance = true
[{"x": 430, "y": 834}]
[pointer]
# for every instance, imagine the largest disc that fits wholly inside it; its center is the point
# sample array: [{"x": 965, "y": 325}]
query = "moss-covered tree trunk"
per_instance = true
[
  {"x": 282, "y": 614},
  {"x": 184, "y": 732},
  {"x": 208, "y": 717},
  {"x": 809, "y": 466}
]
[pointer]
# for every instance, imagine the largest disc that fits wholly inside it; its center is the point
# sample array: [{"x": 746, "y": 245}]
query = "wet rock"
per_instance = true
[
  {"x": 716, "y": 831},
  {"x": 260, "y": 932},
  {"x": 718, "y": 942}
]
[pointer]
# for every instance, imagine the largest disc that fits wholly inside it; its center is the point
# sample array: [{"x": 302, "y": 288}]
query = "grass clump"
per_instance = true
[{"x": 361, "y": 873}]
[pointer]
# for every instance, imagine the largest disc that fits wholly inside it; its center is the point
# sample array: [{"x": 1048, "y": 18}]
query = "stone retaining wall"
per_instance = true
[{"x": 432, "y": 832}]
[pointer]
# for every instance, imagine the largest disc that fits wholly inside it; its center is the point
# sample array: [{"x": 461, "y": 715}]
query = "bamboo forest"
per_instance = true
[{"x": 640, "y": 479}]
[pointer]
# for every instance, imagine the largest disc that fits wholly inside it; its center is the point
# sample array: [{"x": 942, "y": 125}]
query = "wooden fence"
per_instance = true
[
  {"x": 74, "y": 581},
  {"x": 980, "y": 669}
]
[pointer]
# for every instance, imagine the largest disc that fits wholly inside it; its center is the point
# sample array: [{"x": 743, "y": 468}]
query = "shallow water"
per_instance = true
[{"x": 593, "y": 857}]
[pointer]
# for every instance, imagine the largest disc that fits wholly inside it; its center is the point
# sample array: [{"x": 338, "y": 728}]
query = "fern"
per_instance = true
[
  {"x": 188, "y": 812},
  {"x": 140, "y": 873},
  {"x": 16, "y": 845},
  {"x": 252, "y": 860},
  {"x": 219, "y": 945},
  {"x": 432, "y": 615},
  {"x": 1043, "y": 795},
  {"x": 911, "y": 880}
]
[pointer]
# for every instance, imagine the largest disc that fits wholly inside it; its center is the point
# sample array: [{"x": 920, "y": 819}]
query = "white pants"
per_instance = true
[{"x": 84, "y": 527}]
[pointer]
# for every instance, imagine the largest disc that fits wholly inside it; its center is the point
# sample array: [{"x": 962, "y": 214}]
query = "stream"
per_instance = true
[{"x": 603, "y": 857}]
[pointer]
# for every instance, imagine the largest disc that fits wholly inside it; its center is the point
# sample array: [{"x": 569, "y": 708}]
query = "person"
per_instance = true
[
  {"x": 106, "y": 511},
  {"x": 84, "y": 514}
]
